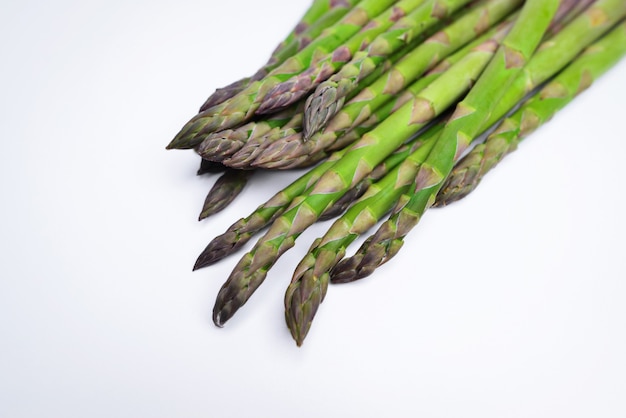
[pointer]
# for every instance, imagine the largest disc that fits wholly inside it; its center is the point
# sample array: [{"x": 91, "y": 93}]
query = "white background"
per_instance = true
[{"x": 508, "y": 304}]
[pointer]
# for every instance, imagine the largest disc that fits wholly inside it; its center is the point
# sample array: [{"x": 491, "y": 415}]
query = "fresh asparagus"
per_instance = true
[
  {"x": 328, "y": 97},
  {"x": 576, "y": 78},
  {"x": 377, "y": 155},
  {"x": 550, "y": 58},
  {"x": 241, "y": 107},
  {"x": 344, "y": 174}
]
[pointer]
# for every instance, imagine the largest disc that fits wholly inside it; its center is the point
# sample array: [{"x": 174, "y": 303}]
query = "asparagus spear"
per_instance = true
[
  {"x": 387, "y": 39},
  {"x": 241, "y": 107},
  {"x": 550, "y": 58},
  {"x": 321, "y": 15},
  {"x": 369, "y": 107},
  {"x": 576, "y": 78},
  {"x": 328, "y": 97},
  {"x": 344, "y": 174},
  {"x": 224, "y": 191}
]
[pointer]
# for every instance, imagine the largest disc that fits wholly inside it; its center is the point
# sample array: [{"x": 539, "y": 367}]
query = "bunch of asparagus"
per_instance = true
[{"x": 396, "y": 107}]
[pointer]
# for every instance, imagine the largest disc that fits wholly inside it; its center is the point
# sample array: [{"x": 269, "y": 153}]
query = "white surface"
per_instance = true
[{"x": 509, "y": 304}]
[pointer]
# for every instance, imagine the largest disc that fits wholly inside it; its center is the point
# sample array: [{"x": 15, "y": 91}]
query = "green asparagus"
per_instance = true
[
  {"x": 355, "y": 164},
  {"x": 550, "y": 58}
]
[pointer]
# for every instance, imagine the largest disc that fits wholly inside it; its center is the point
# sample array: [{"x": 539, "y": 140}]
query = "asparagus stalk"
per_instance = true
[
  {"x": 241, "y": 107},
  {"x": 321, "y": 15},
  {"x": 576, "y": 78},
  {"x": 374, "y": 104},
  {"x": 550, "y": 58},
  {"x": 224, "y": 191},
  {"x": 344, "y": 174},
  {"x": 385, "y": 40},
  {"x": 329, "y": 96}
]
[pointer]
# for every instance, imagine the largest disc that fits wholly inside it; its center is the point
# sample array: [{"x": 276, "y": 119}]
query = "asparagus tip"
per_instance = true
[
  {"x": 181, "y": 141},
  {"x": 221, "y": 313},
  {"x": 320, "y": 107},
  {"x": 205, "y": 259},
  {"x": 217, "y": 320},
  {"x": 210, "y": 210},
  {"x": 345, "y": 271}
]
